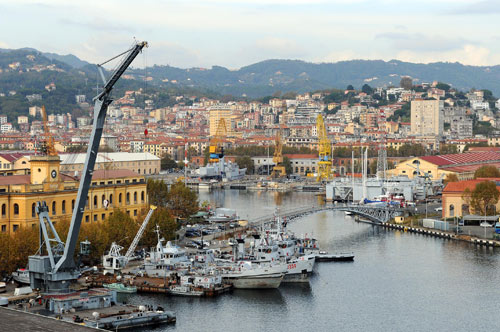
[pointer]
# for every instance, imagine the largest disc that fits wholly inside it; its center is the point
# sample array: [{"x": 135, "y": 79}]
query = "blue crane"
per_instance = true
[{"x": 55, "y": 270}]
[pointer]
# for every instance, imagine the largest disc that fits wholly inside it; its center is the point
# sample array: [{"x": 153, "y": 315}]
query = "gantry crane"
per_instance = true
[
  {"x": 325, "y": 151},
  {"x": 278, "y": 169},
  {"x": 48, "y": 145},
  {"x": 216, "y": 148},
  {"x": 56, "y": 269}
]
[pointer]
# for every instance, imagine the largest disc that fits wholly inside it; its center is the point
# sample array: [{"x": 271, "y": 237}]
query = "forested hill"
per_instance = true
[
  {"x": 74, "y": 76},
  {"x": 267, "y": 77}
]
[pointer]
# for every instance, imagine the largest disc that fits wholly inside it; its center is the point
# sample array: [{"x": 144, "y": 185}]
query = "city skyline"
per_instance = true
[{"x": 238, "y": 33}]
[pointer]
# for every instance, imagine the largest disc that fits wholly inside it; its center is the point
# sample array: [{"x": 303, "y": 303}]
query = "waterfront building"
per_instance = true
[
  {"x": 438, "y": 167},
  {"x": 122, "y": 189},
  {"x": 455, "y": 203}
]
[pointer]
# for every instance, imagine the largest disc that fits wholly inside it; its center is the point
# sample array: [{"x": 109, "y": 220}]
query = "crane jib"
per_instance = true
[{"x": 102, "y": 101}]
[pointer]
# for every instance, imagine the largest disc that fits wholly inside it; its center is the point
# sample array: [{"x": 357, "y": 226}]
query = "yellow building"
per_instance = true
[
  {"x": 111, "y": 189},
  {"x": 455, "y": 203},
  {"x": 409, "y": 168},
  {"x": 438, "y": 167}
]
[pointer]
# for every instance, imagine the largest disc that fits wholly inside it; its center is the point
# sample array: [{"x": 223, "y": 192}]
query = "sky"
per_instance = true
[{"x": 236, "y": 33}]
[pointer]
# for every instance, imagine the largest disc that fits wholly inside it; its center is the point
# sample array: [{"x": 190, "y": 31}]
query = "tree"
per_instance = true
[
  {"x": 443, "y": 86},
  {"x": 76, "y": 149},
  {"x": 246, "y": 162},
  {"x": 167, "y": 162},
  {"x": 484, "y": 197},
  {"x": 452, "y": 177},
  {"x": 448, "y": 149},
  {"x": 367, "y": 89},
  {"x": 350, "y": 87},
  {"x": 166, "y": 224},
  {"x": 157, "y": 192},
  {"x": 182, "y": 201},
  {"x": 288, "y": 165},
  {"x": 487, "y": 171},
  {"x": 406, "y": 83}
]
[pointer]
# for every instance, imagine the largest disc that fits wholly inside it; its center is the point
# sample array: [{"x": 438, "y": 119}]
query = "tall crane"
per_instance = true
[
  {"x": 278, "y": 169},
  {"x": 55, "y": 271},
  {"x": 216, "y": 148},
  {"x": 325, "y": 151},
  {"x": 48, "y": 141}
]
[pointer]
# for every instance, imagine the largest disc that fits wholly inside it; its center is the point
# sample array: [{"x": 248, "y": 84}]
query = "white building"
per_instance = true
[{"x": 6, "y": 127}]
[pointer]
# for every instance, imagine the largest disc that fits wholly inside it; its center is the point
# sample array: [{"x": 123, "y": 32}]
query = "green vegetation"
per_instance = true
[
  {"x": 483, "y": 198},
  {"x": 246, "y": 162},
  {"x": 401, "y": 115},
  {"x": 482, "y": 128},
  {"x": 487, "y": 171}
]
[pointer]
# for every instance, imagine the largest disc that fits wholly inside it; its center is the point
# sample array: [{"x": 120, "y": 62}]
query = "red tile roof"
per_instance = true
[{"x": 460, "y": 186}]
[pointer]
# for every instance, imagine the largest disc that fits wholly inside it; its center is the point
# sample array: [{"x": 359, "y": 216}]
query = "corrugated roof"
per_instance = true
[
  {"x": 79, "y": 158},
  {"x": 463, "y": 158}
]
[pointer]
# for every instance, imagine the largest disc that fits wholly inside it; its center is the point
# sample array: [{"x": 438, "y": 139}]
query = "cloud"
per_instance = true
[
  {"x": 3, "y": 45},
  {"x": 421, "y": 42},
  {"x": 485, "y": 7},
  {"x": 278, "y": 47},
  {"x": 468, "y": 55},
  {"x": 98, "y": 24}
]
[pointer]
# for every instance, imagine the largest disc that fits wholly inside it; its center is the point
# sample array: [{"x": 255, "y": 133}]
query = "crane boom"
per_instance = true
[
  {"x": 102, "y": 101},
  {"x": 325, "y": 151},
  {"x": 138, "y": 236},
  {"x": 216, "y": 149}
]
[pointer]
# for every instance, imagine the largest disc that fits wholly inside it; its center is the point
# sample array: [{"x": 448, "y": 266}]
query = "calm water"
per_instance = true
[{"x": 398, "y": 281}]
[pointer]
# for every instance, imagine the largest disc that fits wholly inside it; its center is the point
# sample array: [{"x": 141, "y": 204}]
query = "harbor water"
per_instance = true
[{"x": 397, "y": 282}]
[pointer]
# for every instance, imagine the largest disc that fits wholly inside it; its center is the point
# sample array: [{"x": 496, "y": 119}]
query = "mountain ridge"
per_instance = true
[{"x": 269, "y": 76}]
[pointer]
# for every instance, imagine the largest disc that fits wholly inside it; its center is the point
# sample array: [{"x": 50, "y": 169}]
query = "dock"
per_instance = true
[{"x": 20, "y": 321}]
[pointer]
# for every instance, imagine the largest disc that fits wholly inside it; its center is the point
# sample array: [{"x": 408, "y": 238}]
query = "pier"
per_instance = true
[{"x": 15, "y": 320}]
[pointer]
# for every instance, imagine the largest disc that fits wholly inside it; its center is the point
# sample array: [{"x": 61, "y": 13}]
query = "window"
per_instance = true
[
  {"x": 15, "y": 228},
  {"x": 135, "y": 197},
  {"x": 87, "y": 203},
  {"x": 95, "y": 217},
  {"x": 139, "y": 171},
  {"x": 452, "y": 210},
  {"x": 87, "y": 218},
  {"x": 120, "y": 198},
  {"x": 111, "y": 199},
  {"x": 465, "y": 209},
  {"x": 4, "y": 228},
  {"x": 103, "y": 216},
  {"x": 16, "y": 209},
  {"x": 135, "y": 212},
  {"x": 53, "y": 208},
  {"x": 72, "y": 204},
  {"x": 4, "y": 210},
  {"x": 63, "y": 207},
  {"x": 95, "y": 201},
  {"x": 33, "y": 210},
  {"x": 142, "y": 196},
  {"x": 103, "y": 199},
  {"x": 128, "y": 198}
]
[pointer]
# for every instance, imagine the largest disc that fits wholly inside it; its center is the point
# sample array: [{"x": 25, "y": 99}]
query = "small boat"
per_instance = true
[
  {"x": 184, "y": 290},
  {"x": 120, "y": 288},
  {"x": 324, "y": 256},
  {"x": 21, "y": 276}
]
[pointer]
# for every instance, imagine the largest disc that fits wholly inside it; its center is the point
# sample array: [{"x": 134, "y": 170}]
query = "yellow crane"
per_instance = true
[
  {"x": 216, "y": 149},
  {"x": 278, "y": 169},
  {"x": 325, "y": 151},
  {"x": 48, "y": 147}
]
